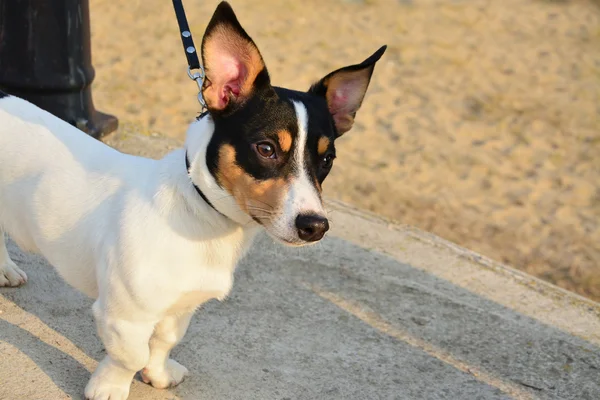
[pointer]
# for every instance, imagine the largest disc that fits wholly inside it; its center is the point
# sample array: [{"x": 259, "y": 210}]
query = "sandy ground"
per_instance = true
[{"x": 482, "y": 122}]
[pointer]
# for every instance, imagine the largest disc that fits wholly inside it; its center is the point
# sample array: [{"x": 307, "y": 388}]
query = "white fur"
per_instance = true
[{"x": 131, "y": 232}]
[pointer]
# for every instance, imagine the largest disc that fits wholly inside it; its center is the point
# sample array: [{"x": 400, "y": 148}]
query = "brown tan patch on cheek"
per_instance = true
[
  {"x": 285, "y": 140},
  {"x": 254, "y": 197},
  {"x": 323, "y": 145},
  {"x": 263, "y": 197}
]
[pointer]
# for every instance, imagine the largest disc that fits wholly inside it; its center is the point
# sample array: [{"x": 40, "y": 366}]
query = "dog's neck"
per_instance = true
[
  {"x": 200, "y": 192},
  {"x": 219, "y": 204},
  {"x": 212, "y": 219},
  {"x": 222, "y": 202}
]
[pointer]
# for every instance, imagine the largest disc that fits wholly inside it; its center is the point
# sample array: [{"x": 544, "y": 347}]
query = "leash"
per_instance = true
[
  {"x": 193, "y": 64},
  {"x": 190, "y": 51}
]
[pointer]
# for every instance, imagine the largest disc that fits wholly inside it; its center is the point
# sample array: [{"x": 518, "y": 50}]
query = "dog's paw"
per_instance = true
[
  {"x": 106, "y": 392},
  {"x": 11, "y": 275},
  {"x": 108, "y": 383},
  {"x": 97, "y": 390},
  {"x": 172, "y": 375}
]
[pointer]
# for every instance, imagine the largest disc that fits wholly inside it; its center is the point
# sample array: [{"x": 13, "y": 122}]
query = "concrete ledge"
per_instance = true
[{"x": 377, "y": 311}]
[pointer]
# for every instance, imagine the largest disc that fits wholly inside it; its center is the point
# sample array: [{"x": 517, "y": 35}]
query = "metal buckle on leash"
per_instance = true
[
  {"x": 198, "y": 77},
  {"x": 190, "y": 51}
]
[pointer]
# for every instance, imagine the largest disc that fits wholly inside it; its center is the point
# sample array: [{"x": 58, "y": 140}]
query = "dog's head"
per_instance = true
[{"x": 270, "y": 148}]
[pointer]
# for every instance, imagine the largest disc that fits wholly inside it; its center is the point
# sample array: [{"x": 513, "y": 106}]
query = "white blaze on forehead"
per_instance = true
[
  {"x": 303, "y": 197},
  {"x": 302, "y": 117}
]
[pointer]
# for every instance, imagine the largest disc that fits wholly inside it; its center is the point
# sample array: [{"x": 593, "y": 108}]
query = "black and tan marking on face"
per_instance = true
[
  {"x": 269, "y": 155},
  {"x": 272, "y": 148},
  {"x": 250, "y": 154}
]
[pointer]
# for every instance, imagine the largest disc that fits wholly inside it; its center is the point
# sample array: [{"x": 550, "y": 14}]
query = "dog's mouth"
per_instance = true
[
  {"x": 291, "y": 243},
  {"x": 291, "y": 240}
]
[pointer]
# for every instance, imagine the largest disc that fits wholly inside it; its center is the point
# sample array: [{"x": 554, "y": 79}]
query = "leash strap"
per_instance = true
[
  {"x": 193, "y": 63},
  {"x": 190, "y": 50},
  {"x": 186, "y": 36}
]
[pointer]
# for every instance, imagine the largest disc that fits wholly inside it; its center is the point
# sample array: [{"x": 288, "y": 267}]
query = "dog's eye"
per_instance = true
[
  {"x": 266, "y": 149},
  {"x": 327, "y": 161}
]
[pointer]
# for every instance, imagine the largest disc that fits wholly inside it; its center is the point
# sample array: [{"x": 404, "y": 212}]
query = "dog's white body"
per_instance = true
[
  {"x": 113, "y": 215},
  {"x": 129, "y": 231}
]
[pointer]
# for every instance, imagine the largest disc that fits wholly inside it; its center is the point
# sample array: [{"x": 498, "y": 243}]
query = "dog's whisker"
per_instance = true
[
  {"x": 262, "y": 217},
  {"x": 262, "y": 202},
  {"x": 268, "y": 212},
  {"x": 232, "y": 196}
]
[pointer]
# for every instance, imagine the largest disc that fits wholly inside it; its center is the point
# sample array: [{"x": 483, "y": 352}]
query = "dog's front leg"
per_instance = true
[
  {"x": 126, "y": 344},
  {"x": 161, "y": 370}
]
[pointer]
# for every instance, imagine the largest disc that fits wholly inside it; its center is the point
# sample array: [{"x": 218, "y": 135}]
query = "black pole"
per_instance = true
[{"x": 46, "y": 58}]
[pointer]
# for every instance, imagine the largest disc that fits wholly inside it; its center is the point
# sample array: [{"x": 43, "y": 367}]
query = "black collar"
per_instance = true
[{"x": 187, "y": 167}]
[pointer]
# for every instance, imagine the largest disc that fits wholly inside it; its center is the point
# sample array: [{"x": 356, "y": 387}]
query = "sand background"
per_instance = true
[{"x": 481, "y": 124}]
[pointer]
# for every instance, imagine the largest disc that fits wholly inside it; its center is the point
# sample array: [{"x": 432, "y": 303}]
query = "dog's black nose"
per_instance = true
[{"x": 311, "y": 227}]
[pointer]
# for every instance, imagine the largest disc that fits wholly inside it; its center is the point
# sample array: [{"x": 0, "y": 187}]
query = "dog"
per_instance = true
[{"x": 152, "y": 240}]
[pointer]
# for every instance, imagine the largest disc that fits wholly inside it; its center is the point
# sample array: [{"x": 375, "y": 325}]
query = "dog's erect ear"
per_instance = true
[
  {"x": 345, "y": 89},
  {"x": 232, "y": 62}
]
